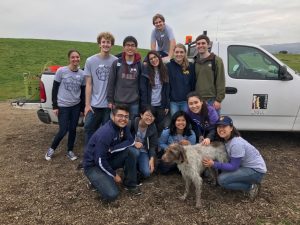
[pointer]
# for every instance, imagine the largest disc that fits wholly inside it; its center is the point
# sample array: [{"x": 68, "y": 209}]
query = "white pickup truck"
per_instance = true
[{"x": 262, "y": 93}]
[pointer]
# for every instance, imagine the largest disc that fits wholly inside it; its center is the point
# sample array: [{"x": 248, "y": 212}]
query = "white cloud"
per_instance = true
[{"x": 261, "y": 22}]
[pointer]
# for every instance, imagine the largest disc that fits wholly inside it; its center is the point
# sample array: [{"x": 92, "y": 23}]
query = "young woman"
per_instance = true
[
  {"x": 146, "y": 141},
  {"x": 246, "y": 167},
  {"x": 179, "y": 132},
  {"x": 154, "y": 87},
  {"x": 182, "y": 79},
  {"x": 203, "y": 118},
  {"x": 68, "y": 101}
]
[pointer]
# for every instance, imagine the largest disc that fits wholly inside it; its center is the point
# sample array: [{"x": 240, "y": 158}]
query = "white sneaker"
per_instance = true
[
  {"x": 49, "y": 154},
  {"x": 71, "y": 155}
]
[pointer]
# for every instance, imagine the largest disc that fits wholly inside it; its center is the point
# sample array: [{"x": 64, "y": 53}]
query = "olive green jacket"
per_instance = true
[{"x": 210, "y": 84}]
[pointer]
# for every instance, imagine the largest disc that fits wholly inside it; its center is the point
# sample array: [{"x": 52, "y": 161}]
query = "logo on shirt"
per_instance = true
[
  {"x": 72, "y": 84},
  {"x": 102, "y": 72}
]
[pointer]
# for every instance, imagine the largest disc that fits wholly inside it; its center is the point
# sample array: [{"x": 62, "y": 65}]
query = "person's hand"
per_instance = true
[
  {"x": 151, "y": 164},
  {"x": 55, "y": 111},
  {"x": 110, "y": 105},
  {"x": 207, "y": 162},
  {"x": 217, "y": 105},
  {"x": 166, "y": 59},
  {"x": 87, "y": 109},
  {"x": 117, "y": 179},
  {"x": 184, "y": 142},
  {"x": 166, "y": 111},
  {"x": 205, "y": 141},
  {"x": 138, "y": 144}
]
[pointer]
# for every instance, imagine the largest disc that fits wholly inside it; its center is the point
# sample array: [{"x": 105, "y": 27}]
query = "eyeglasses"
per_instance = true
[
  {"x": 153, "y": 58},
  {"x": 130, "y": 45},
  {"x": 148, "y": 115},
  {"x": 123, "y": 117}
]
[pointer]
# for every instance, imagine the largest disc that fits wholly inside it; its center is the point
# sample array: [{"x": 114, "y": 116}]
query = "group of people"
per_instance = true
[{"x": 126, "y": 102}]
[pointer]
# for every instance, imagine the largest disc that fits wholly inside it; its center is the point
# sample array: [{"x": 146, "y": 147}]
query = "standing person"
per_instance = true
[
  {"x": 97, "y": 68},
  {"x": 210, "y": 77},
  {"x": 179, "y": 132},
  {"x": 163, "y": 36},
  {"x": 146, "y": 141},
  {"x": 155, "y": 88},
  {"x": 108, "y": 151},
  {"x": 182, "y": 79},
  {"x": 68, "y": 102},
  {"x": 123, "y": 83},
  {"x": 203, "y": 118},
  {"x": 246, "y": 167}
]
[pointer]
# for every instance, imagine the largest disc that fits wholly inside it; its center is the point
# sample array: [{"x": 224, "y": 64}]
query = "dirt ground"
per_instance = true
[{"x": 34, "y": 191}]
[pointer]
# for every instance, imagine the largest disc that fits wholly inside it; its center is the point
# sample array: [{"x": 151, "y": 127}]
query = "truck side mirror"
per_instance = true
[{"x": 284, "y": 74}]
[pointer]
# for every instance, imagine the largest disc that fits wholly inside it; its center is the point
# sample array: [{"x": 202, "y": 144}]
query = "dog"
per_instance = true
[{"x": 189, "y": 161}]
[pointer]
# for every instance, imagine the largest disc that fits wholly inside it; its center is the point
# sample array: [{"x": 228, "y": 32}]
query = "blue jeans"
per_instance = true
[
  {"x": 142, "y": 161},
  {"x": 67, "y": 121},
  {"x": 105, "y": 184},
  {"x": 176, "y": 106},
  {"x": 94, "y": 120},
  {"x": 133, "y": 110},
  {"x": 240, "y": 179}
]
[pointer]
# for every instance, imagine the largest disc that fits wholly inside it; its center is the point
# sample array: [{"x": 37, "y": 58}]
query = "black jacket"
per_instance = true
[
  {"x": 146, "y": 91},
  {"x": 151, "y": 137}
]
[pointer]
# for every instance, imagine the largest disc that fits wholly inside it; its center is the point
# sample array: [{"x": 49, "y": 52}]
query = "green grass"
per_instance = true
[
  {"x": 20, "y": 56},
  {"x": 292, "y": 60}
]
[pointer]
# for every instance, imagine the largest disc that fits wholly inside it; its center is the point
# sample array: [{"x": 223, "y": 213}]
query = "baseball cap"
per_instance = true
[{"x": 224, "y": 120}]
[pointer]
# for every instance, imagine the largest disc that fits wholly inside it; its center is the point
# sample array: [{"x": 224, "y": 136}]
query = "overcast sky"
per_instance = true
[{"x": 259, "y": 22}]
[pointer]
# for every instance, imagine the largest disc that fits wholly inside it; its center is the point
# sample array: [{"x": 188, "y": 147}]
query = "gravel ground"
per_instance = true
[{"x": 34, "y": 191}]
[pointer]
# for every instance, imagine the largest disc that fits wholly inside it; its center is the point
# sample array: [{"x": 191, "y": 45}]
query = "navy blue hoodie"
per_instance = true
[{"x": 103, "y": 144}]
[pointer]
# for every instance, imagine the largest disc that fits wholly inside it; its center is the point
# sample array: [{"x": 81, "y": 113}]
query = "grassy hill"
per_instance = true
[{"x": 20, "y": 56}]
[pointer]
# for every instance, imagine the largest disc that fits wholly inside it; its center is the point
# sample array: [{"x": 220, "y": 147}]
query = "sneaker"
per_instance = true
[
  {"x": 49, "y": 154},
  {"x": 253, "y": 191},
  {"x": 133, "y": 190},
  {"x": 71, "y": 155},
  {"x": 80, "y": 166}
]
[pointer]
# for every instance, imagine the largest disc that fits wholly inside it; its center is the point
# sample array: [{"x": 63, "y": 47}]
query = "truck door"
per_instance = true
[{"x": 258, "y": 96}]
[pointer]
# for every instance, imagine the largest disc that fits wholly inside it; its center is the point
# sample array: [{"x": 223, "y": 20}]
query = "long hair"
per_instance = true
[
  {"x": 204, "y": 109},
  {"x": 187, "y": 129},
  {"x": 185, "y": 63},
  {"x": 162, "y": 70}
]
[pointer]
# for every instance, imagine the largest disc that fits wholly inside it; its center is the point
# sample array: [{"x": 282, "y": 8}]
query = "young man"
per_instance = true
[
  {"x": 210, "y": 77},
  {"x": 163, "y": 35},
  {"x": 107, "y": 151},
  {"x": 123, "y": 82},
  {"x": 96, "y": 71}
]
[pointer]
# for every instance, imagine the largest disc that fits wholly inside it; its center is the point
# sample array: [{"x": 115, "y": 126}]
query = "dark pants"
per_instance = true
[
  {"x": 160, "y": 115},
  {"x": 94, "y": 120},
  {"x": 67, "y": 120},
  {"x": 105, "y": 183}
]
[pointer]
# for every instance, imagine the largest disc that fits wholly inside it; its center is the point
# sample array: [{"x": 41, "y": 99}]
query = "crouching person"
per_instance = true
[
  {"x": 107, "y": 151},
  {"x": 246, "y": 167},
  {"x": 146, "y": 141}
]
